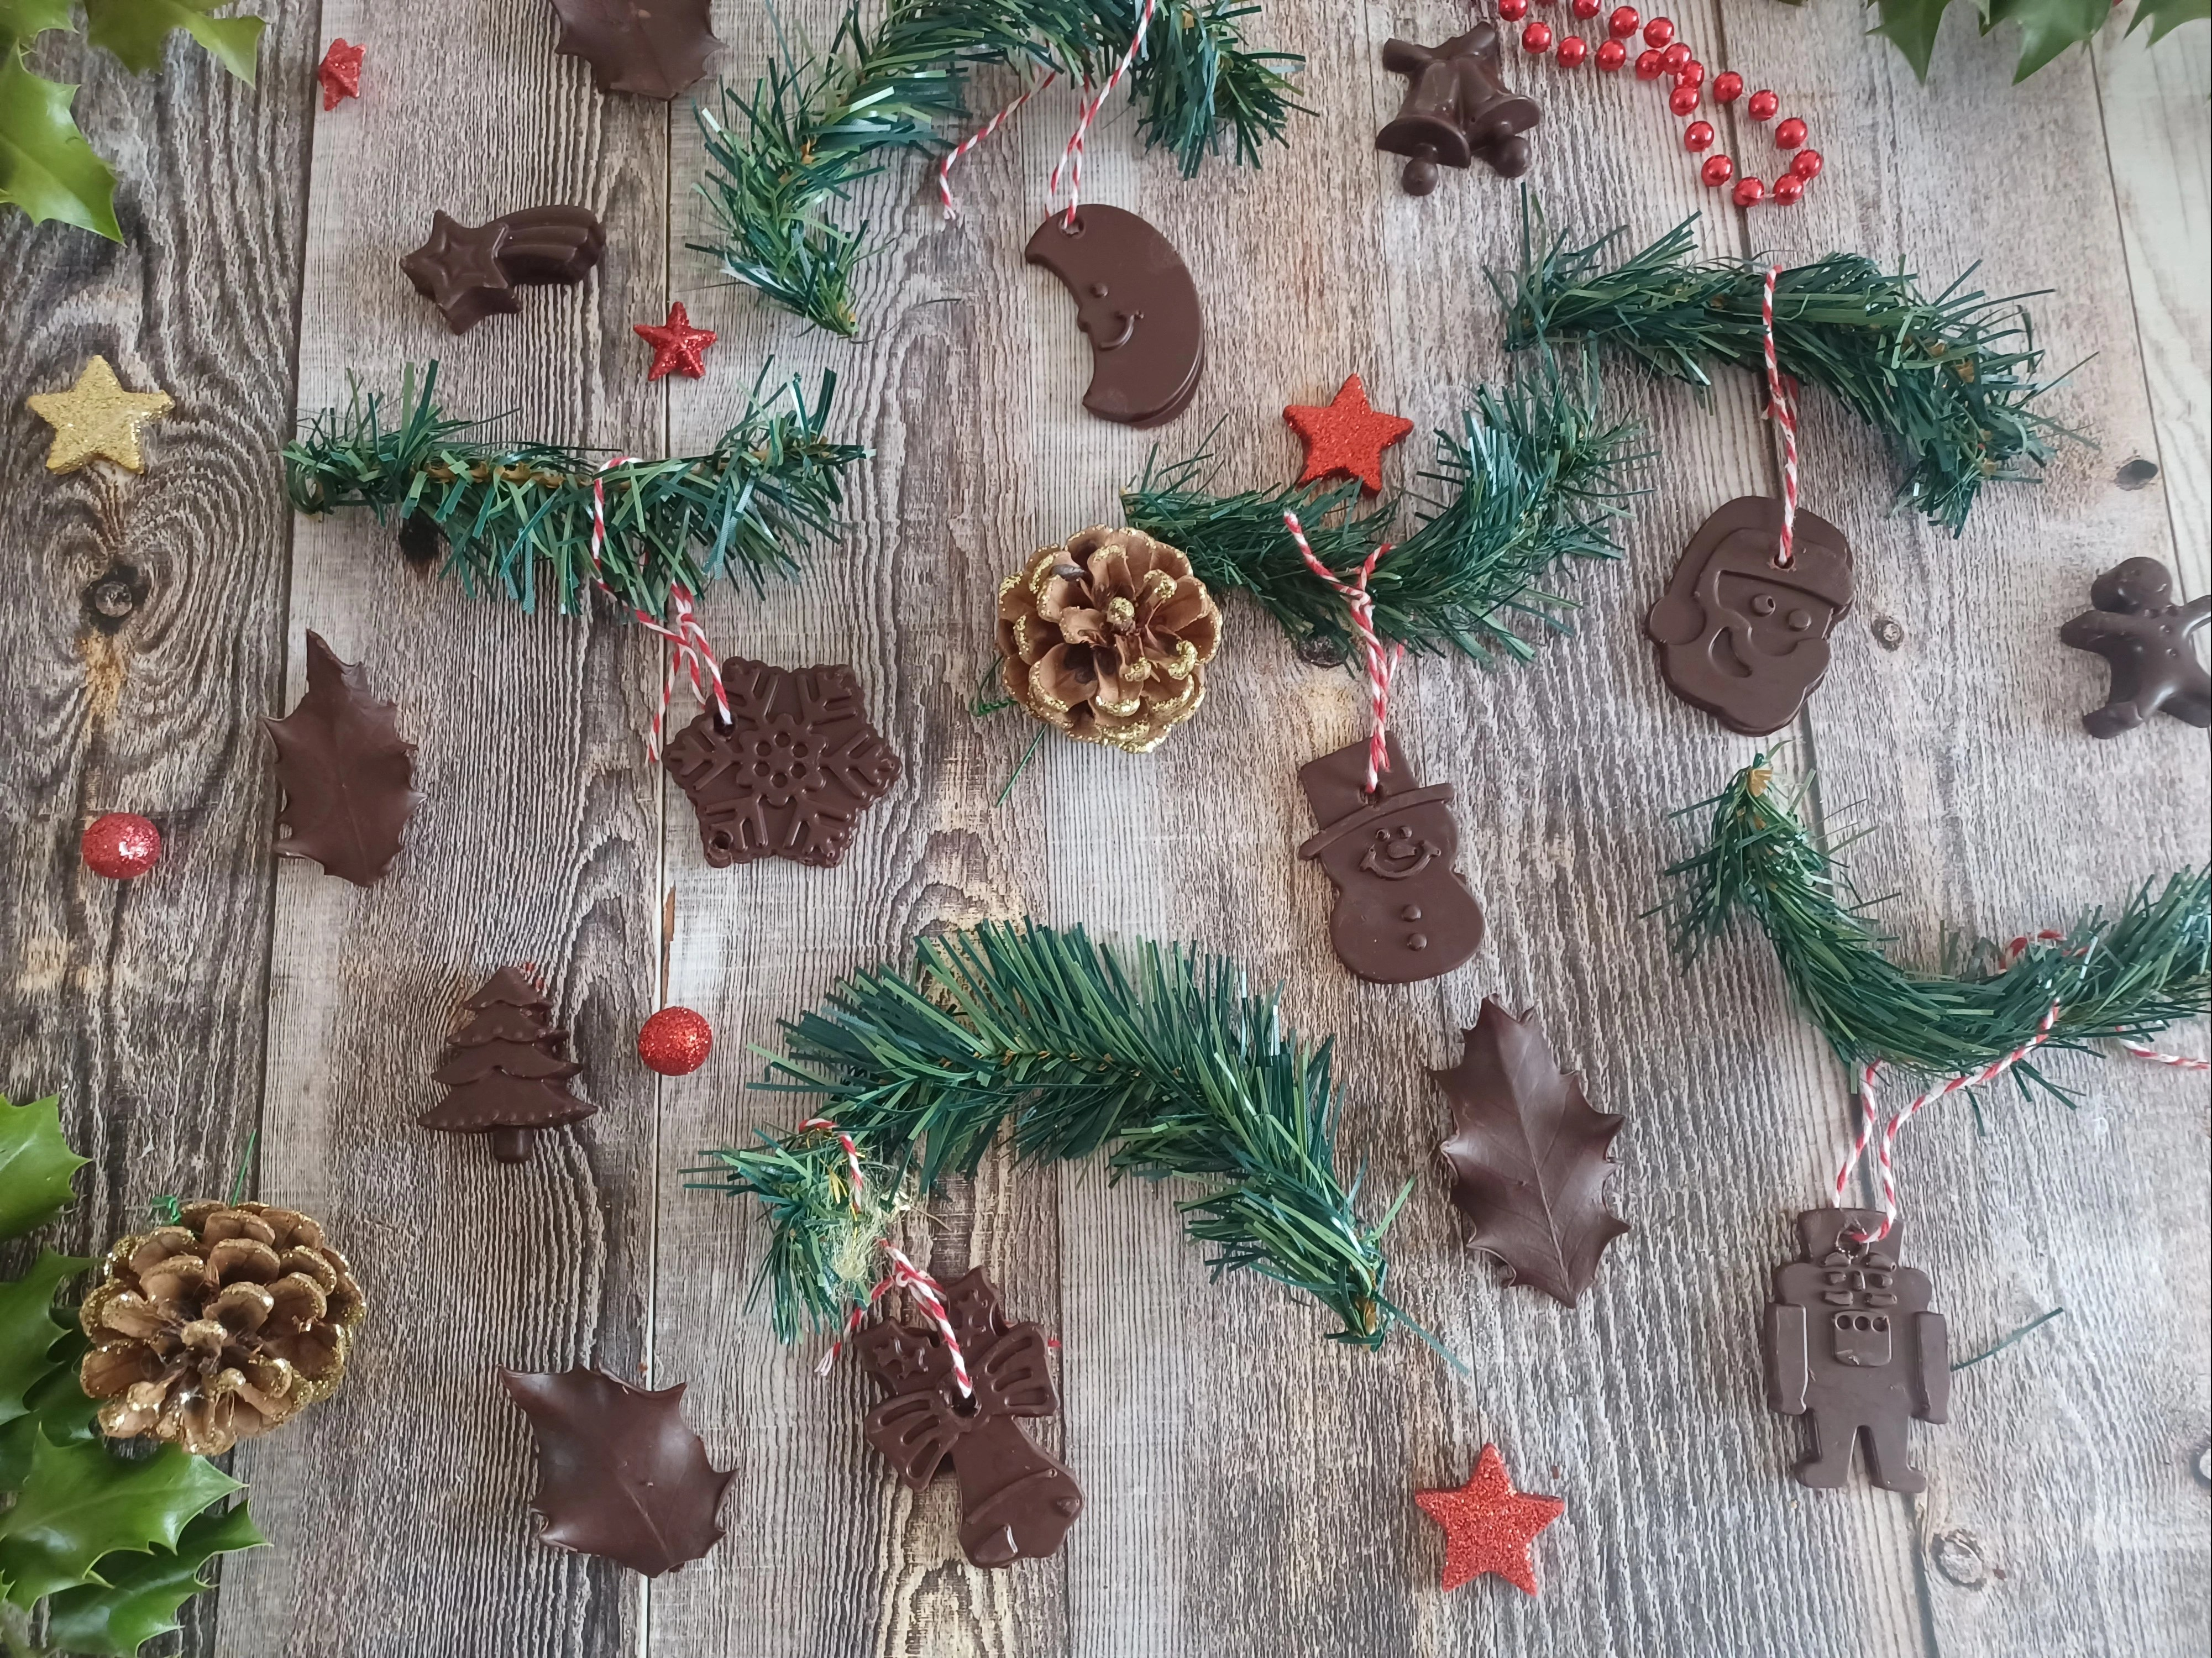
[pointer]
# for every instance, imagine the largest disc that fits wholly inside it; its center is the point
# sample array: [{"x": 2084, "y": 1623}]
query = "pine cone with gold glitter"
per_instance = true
[
  {"x": 1107, "y": 636},
  {"x": 218, "y": 1328}
]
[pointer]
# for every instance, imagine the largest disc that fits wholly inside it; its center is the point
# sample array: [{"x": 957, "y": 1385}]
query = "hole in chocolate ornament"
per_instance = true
[
  {"x": 2136, "y": 473},
  {"x": 1889, "y": 633}
]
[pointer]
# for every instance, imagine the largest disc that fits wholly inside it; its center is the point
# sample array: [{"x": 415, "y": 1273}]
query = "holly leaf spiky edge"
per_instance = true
[
  {"x": 36, "y": 1166},
  {"x": 2047, "y": 27}
]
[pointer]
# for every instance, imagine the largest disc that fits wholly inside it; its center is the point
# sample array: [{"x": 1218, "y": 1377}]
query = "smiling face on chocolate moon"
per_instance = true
[{"x": 1136, "y": 302}]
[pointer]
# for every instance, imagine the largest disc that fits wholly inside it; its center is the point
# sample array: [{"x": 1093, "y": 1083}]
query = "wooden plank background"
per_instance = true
[{"x": 1249, "y": 1484}]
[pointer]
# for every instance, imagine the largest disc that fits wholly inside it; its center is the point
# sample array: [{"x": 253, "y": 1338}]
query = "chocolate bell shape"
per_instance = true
[{"x": 1457, "y": 108}]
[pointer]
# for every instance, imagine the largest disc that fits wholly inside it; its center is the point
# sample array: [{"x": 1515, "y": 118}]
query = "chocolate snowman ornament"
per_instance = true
[{"x": 1403, "y": 912}]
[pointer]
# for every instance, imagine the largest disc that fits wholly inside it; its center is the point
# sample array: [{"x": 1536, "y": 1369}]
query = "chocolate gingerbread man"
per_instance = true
[{"x": 2145, "y": 637}]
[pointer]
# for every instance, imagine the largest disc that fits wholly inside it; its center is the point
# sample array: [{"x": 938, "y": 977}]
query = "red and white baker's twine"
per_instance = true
[
  {"x": 1381, "y": 664},
  {"x": 1782, "y": 403},
  {"x": 953, "y": 157},
  {"x": 687, "y": 641},
  {"x": 1667, "y": 57},
  {"x": 1885, "y": 1155},
  {"x": 1071, "y": 158},
  {"x": 924, "y": 1291}
]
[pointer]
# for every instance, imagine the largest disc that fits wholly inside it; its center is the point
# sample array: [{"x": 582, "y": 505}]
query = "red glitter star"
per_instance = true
[
  {"x": 1347, "y": 436},
  {"x": 1489, "y": 1525},
  {"x": 340, "y": 72},
  {"x": 676, "y": 344}
]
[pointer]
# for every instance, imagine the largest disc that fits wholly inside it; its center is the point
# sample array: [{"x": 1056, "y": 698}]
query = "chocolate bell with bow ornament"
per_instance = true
[{"x": 1457, "y": 109}]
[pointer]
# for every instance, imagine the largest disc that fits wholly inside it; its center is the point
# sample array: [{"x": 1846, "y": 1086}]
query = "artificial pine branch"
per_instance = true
[
  {"x": 2127, "y": 978},
  {"x": 1535, "y": 479},
  {"x": 1949, "y": 380},
  {"x": 516, "y": 517},
  {"x": 1162, "y": 1053},
  {"x": 778, "y": 159}
]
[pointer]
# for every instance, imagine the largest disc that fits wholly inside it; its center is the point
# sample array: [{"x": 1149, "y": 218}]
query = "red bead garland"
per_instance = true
[
  {"x": 1806, "y": 164},
  {"x": 1536, "y": 38},
  {"x": 120, "y": 845},
  {"x": 1512, "y": 10},
  {"x": 1762, "y": 105},
  {"x": 1611, "y": 55},
  {"x": 1699, "y": 135},
  {"x": 1717, "y": 171},
  {"x": 1647, "y": 65},
  {"x": 1789, "y": 134},
  {"x": 1727, "y": 86},
  {"x": 1787, "y": 189},
  {"x": 1659, "y": 32},
  {"x": 1622, "y": 24},
  {"x": 1674, "y": 57},
  {"x": 1572, "y": 51},
  {"x": 1749, "y": 191},
  {"x": 1586, "y": 10},
  {"x": 1683, "y": 100},
  {"x": 1692, "y": 74}
]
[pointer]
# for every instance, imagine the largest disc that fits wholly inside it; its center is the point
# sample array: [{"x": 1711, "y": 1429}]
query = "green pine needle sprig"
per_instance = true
[
  {"x": 1159, "y": 1053},
  {"x": 1950, "y": 381},
  {"x": 2124, "y": 978},
  {"x": 1534, "y": 476},
  {"x": 516, "y": 517},
  {"x": 780, "y": 159}
]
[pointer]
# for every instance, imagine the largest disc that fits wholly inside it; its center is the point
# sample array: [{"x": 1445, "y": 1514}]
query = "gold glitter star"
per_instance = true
[{"x": 97, "y": 420}]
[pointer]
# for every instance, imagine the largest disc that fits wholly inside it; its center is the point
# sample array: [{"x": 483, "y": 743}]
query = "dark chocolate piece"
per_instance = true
[
  {"x": 1403, "y": 912},
  {"x": 1529, "y": 1157},
  {"x": 791, "y": 774},
  {"x": 470, "y": 272},
  {"x": 1135, "y": 301},
  {"x": 1457, "y": 109},
  {"x": 654, "y": 48},
  {"x": 507, "y": 1072},
  {"x": 619, "y": 1474},
  {"x": 347, "y": 774},
  {"x": 1852, "y": 1344},
  {"x": 2144, "y": 637},
  {"x": 1016, "y": 1500},
  {"x": 1741, "y": 637}
]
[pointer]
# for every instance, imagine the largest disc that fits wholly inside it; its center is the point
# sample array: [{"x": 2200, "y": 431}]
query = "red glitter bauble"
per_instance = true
[
  {"x": 1512, "y": 10},
  {"x": 1572, "y": 51},
  {"x": 1673, "y": 58},
  {"x": 120, "y": 845},
  {"x": 1787, "y": 189},
  {"x": 675, "y": 1041},
  {"x": 1763, "y": 105},
  {"x": 1658, "y": 31},
  {"x": 1727, "y": 86},
  {"x": 1692, "y": 74},
  {"x": 1586, "y": 10},
  {"x": 1611, "y": 55},
  {"x": 1647, "y": 65},
  {"x": 1683, "y": 100},
  {"x": 1749, "y": 192},
  {"x": 1699, "y": 135},
  {"x": 1806, "y": 163},
  {"x": 1790, "y": 133},
  {"x": 1536, "y": 37},
  {"x": 1623, "y": 23},
  {"x": 1717, "y": 171}
]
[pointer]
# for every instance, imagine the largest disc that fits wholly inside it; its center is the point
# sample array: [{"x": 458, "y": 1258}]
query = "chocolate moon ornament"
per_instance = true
[
  {"x": 1403, "y": 912},
  {"x": 1135, "y": 300},
  {"x": 1738, "y": 636}
]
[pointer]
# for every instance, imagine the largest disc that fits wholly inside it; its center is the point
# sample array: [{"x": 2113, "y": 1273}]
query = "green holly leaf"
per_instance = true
[
  {"x": 35, "y": 1161},
  {"x": 22, "y": 21},
  {"x": 135, "y": 31},
  {"x": 1912, "y": 25},
  {"x": 2166, "y": 15},
  {"x": 81, "y": 1501},
  {"x": 27, "y": 1330},
  {"x": 58, "y": 1409},
  {"x": 2047, "y": 27},
  {"x": 140, "y": 1596}
]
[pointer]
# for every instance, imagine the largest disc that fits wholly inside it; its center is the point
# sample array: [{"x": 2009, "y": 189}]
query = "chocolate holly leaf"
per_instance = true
[
  {"x": 348, "y": 775},
  {"x": 1530, "y": 1157},
  {"x": 139, "y": 1595},
  {"x": 619, "y": 1474},
  {"x": 81, "y": 1502},
  {"x": 654, "y": 48},
  {"x": 35, "y": 1166}
]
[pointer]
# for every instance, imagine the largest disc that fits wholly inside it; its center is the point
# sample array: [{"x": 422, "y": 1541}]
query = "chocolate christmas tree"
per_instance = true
[{"x": 507, "y": 1074}]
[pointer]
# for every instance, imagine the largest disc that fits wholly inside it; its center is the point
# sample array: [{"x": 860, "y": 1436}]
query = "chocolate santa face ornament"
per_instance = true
[{"x": 1740, "y": 637}]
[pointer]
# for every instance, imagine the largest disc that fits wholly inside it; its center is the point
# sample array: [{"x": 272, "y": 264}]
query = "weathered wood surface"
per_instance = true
[{"x": 1248, "y": 1483}]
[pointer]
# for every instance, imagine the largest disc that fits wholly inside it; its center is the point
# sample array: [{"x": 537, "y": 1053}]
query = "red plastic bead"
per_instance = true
[
  {"x": 1787, "y": 189},
  {"x": 1611, "y": 55},
  {"x": 1806, "y": 163},
  {"x": 1658, "y": 31},
  {"x": 1717, "y": 171},
  {"x": 1749, "y": 192},
  {"x": 1586, "y": 10},
  {"x": 1763, "y": 105},
  {"x": 1683, "y": 100},
  {"x": 1512, "y": 10},
  {"x": 120, "y": 845},
  {"x": 1692, "y": 74},
  {"x": 1647, "y": 65},
  {"x": 1622, "y": 24},
  {"x": 1727, "y": 86},
  {"x": 1699, "y": 135},
  {"x": 1790, "y": 133},
  {"x": 675, "y": 1041},
  {"x": 1572, "y": 51},
  {"x": 1536, "y": 37},
  {"x": 1673, "y": 58}
]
